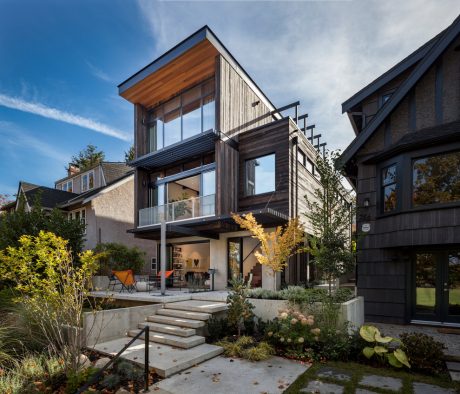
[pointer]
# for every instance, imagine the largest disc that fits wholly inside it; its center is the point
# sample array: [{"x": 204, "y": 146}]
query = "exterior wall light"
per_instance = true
[{"x": 366, "y": 202}]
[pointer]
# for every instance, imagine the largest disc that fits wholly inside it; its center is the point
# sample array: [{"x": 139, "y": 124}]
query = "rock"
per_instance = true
[
  {"x": 83, "y": 361},
  {"x": 318, "y": 387},
  {"x": 382, "y": 382},
  {"x": 102, "y": 362}
]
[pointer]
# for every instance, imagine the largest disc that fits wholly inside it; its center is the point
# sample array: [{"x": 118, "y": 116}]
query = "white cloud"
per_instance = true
[
  {"x": 98, "y": 73},
  {"x": 13, "y": 135},
  {"x": 62, "y": 116},
  {"x": 318, "y": 52}
]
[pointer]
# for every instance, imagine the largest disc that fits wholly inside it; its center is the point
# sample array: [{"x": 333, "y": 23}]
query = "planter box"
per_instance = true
[{"x": 351, "y": 311}]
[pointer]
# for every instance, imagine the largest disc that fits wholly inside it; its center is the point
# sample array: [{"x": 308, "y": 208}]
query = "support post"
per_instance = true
[
  {"x": 146, "y": 357},
  {"x": 163, "y": 252}
]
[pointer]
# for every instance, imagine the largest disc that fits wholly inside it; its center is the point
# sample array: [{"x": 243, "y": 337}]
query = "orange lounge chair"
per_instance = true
[{"x": 126, "y": 279}]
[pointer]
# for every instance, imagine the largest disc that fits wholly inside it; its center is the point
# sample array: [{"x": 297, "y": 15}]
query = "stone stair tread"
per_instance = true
[
  {"x": 172, "y": 340},
  {"x": 164, "y": 359},
  {"x": 204, "y": 306},
  {"x": 176, "y": 321},
  {"x": 168, "y": 329},
  {"x": 184, "y": 314}
]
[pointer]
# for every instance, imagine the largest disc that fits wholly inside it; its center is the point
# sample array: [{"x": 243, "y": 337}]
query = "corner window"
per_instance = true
[
  {"x": 260, "y": 175},
  {"x": 436, "y": 179},
  {"x": 389, "y": 197},
  {"x": 87, "y": 181}
]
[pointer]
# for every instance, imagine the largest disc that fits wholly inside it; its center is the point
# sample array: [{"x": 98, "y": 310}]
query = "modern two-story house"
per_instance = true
[
  {"x": 209, "y": 143},
  {"x": 405, "y": 166}
]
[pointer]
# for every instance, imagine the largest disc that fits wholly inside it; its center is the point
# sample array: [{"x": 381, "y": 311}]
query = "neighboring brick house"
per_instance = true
[{"x": 405, "y": 166}]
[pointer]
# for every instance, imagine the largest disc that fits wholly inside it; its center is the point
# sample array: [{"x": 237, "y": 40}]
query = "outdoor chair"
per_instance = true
[
  {"x": 113, "y": 281},
  {"x": 155, "y": 280},
  {"x": 127, "y": 280}
]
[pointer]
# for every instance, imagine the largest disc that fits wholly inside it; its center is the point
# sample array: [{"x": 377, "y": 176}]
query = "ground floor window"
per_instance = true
[{"x": 241, "y": 261}]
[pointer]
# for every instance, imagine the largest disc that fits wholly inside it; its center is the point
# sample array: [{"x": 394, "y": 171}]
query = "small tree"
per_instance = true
[
  {"x": 276, "y": 247},
  {"x": 239, "y": 308},
  {"x": 330, "y": 214},
  {"x": 88, "y": 157},
  {"x": 130, "y": 154},
  {"x": 52, "y": 289}
]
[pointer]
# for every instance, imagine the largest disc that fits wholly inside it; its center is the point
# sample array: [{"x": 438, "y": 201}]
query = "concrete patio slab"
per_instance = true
[
  {"x": 382, "y": 382},
  {"x": 319, "y": 387},
  {"x": 227, "y": 375},
  {"x": 165, "y": 359},
  {"x": 218, "y": 296},
  {"x": 423, "y": 388},
  {"x": 333, "y": 373}
]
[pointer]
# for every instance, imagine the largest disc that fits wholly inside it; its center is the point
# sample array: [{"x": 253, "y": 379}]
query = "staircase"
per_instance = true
[
  {"x": 256, "y": 272},
  {"x": 176, "y": 336}
]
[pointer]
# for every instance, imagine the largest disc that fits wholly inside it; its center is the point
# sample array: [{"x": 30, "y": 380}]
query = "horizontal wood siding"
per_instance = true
[{"x": 239, "y": 110}]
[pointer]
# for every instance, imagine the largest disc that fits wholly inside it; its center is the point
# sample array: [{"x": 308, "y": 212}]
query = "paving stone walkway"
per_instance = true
[{"x": 331, "y": 380}]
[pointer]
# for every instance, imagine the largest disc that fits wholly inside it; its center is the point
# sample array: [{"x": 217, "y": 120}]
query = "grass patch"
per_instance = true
[{"x": 359, "y": 370}]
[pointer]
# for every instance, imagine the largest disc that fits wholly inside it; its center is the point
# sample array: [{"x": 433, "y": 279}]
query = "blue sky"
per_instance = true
[{"x": 60, "y": 63}]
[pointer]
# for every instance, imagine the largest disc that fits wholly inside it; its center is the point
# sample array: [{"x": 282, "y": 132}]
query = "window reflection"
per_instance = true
[
  {"x": 260, "y": 175},
  {"x": 389, "y": 191}
]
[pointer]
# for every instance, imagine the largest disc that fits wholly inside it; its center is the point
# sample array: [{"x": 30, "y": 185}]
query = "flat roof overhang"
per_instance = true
[
  {"x": 209, "y": 227},
  {"x": 198, "y": 144}
]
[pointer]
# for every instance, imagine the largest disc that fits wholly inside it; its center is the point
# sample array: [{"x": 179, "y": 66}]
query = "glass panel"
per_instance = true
[
  {"x": 454, "y": 284},
  {"x": 234, "y": 259},
  {"x": 155, "y": 136},
  {"x": 91, "y": 180},
  {"x": 425, "y": 283},
  {"x": 309, "y": 166},
  {"x": 84, "y": 182},
  {"x": 436, "y": 179},
  {"x": 172, "y": 128},
  {"x": 69, "y": 186},
  {"x": 209, "y": 107},
  {"x": 260, "y": 175},
  {"x": 209, "y": 183},
  {"x": 301, "y": 157},
  {"x": 191, "y": 95},
  {"x": 191, "y": 119},
  {"x": 389, "y": 175},
  {"x": 171, "y": 105},
  {"x": 389, "y": 198}
]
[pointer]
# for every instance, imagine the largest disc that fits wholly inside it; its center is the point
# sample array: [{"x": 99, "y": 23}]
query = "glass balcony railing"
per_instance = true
[{"x": 191, "y": 208}]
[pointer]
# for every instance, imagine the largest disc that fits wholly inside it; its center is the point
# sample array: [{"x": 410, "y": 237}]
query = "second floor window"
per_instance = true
[
  {"x": 67, "y": 186},
  {"x": 87, "y": 181},
  {"x": 182, "y": 117},
  {"x": 436, "y": 179},
  {"x": 389, "y": 196},
  {"x": 260, "y": 175}
]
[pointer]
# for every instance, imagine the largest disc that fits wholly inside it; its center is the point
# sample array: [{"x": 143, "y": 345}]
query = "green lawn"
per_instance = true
[{"x": 358, "y": 370}]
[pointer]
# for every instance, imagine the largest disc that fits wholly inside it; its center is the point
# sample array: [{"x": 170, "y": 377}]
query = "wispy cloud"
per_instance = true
[
  {"x": 13, "y": 135},
  {"x": 98, "y": 73},
  {"x": 62, "y": 116},
  {"x": 316, "y": 51}
]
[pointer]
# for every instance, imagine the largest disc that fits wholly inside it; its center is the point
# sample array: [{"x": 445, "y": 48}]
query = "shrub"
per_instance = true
[
  {"x": 217, "y": 329},
  {"x": 425, "y": 354},
  {"x": 264, "y": 294},
  {"x": 245, "y": 347},
  {"x": 239, "y": 308},
  {"x": 119, "y": 257}
]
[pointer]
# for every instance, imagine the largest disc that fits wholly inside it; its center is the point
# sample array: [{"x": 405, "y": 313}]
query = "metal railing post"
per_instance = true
[{"x": 146, "y": 358}]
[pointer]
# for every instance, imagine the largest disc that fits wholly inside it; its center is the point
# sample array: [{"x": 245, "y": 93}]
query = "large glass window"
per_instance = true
[
  {"x": 436, "y": 179},
  {"x": 389, "y": 196},
  {"x": 260, "y": 175},
  {"x": 182, "y": 117}
]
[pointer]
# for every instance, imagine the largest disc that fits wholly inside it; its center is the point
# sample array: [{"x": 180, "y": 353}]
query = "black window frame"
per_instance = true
[
  {"x": 381, "y": 187},
  {"x": 246, "y": 194}
]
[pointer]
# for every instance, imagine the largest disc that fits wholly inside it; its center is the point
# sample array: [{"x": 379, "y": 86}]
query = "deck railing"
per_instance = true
[{"x": 190, "y": 208}]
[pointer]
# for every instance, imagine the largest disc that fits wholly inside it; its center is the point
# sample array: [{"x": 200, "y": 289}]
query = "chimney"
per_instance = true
[{"x": 72, "y": 169}]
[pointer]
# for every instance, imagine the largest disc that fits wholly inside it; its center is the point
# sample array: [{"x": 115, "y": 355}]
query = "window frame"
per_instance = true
[
  {"x": 82, "y": 216},
  {"x": 87, "y": 173},
  {"x": 66, "y": 183},
  {"x": 382, "y": 187},
  {"x": 246, "y": 194},
  {"x": 161, "y": 108}
]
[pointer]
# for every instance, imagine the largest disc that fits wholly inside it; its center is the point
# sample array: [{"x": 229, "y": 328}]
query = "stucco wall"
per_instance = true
[{"x": 110, "y": 215}]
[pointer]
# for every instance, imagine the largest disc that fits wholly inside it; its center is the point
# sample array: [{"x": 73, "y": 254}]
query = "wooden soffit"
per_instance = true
[{"x": 186, "y": 70}]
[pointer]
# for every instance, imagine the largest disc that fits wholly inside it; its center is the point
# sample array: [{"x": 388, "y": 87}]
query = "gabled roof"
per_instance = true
[
  {"x": 204, "y": 36},
  {"x": 49, "y": 197},
  {"x": 389, "y": 75},
  {"x": 112, "y": 170},
  {"x": 422, "y": 67}
]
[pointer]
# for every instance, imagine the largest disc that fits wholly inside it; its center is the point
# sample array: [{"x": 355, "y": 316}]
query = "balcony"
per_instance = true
[{"x": 192, "y": 208}]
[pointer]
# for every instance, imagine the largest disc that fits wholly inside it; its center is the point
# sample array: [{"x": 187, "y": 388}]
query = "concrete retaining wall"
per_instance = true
[
  {"x": 351, "y": 311},
  {"x": 111, "y": 324}
]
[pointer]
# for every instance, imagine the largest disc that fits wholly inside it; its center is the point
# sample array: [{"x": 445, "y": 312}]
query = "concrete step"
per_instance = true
[
  {"x": 203, "y": 306},
  {"x": 176, "y": 321},
  {"x": 184, "y": 314},
  {"x": 164, "y": 359},
  {"x": 168, "y": 329},
  {"x": 172, "y": 340}
]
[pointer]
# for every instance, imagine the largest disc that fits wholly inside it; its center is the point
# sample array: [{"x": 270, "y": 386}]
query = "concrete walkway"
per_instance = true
[{"x": 235, "y": 376}]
